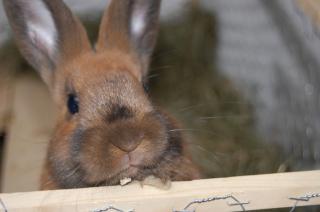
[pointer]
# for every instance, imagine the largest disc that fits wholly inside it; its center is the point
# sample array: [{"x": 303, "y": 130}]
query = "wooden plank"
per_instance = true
[
  {"x": 6, "y": 90},
  {"x": 261, "y": 191},
  {"x": 32, "y": 121},
  {"x": 7, "y": 75}
]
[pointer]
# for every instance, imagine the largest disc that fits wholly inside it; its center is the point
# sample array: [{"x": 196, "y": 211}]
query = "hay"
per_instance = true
[{"x": 218, "y": 119}]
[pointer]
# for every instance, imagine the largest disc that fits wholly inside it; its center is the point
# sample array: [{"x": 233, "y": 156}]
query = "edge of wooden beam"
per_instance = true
[{"x": 259, "y": 191}]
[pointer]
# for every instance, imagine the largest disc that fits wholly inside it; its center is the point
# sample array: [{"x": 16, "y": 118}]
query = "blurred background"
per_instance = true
[{"x": 241, "y": 76}]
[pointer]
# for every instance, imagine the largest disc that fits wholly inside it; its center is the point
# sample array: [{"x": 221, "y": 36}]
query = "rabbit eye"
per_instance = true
[
  {"x": 146, "y": 87},
  {"x": 73, "y": 104}
]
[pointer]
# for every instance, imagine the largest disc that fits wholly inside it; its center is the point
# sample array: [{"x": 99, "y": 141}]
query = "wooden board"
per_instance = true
[
  {"x": 32, "y": 121},
  {"x": 6, "y": 90},
  {"x": 7, "y": 75},
  {"x": 260, "y": 191}
]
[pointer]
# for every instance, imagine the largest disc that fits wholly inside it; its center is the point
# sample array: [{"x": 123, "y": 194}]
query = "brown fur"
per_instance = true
[{"x": 117, "y": 132}]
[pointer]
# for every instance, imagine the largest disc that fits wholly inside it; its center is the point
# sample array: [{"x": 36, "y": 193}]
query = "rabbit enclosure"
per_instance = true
[{"x": 242, "y": 77}]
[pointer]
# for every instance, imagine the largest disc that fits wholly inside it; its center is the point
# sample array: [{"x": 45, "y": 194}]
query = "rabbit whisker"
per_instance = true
[
  {"x": 160, "y": 68},
  {"x": 73, "y": 171},
  {"x": 212, "y": 154},
  {"x": 153, "y": 76},
  {"x": 190, "y": 107},
  {"x": 224, "y": 117},
  {"x": 194, "y": 130}
]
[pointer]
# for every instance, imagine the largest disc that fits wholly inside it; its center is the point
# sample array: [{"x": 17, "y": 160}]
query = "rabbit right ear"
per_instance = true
[
  {"x": 131, "y": 26},
  {"x": 46, "y": 32}
]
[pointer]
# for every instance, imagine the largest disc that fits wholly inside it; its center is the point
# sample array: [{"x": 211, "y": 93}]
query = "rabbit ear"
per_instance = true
[
  {"x": 46, "y": 32},
  {"x": 131, "y": 26}
]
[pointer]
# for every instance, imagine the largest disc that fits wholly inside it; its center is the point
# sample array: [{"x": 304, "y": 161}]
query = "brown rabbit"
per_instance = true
[{"x": 107, "y": 127}]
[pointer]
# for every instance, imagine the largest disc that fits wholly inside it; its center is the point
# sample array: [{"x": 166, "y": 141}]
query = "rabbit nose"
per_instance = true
[{"x": 128, "y": 143}]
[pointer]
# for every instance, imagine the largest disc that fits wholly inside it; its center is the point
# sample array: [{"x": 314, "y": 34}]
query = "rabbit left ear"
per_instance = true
[
  {"x": 47, "y": 33},
  {"x": 131, "y": 26}
]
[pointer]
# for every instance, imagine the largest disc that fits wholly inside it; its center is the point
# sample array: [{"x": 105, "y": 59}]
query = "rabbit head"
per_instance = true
[{"x": 107, "y": 128}]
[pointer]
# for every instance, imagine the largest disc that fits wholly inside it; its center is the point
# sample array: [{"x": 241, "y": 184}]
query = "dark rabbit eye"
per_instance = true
[
  {"x": 146, "y": 87},
  {"x": 73, "y": 104}
]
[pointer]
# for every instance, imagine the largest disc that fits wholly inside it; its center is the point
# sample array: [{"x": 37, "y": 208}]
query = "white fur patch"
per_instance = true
[
  {"x": 40, "y": 26},
  {"x": 138, "y": 23}
]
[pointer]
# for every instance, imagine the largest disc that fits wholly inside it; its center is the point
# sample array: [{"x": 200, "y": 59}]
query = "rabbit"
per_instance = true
[{"x": 107, "y": 127}]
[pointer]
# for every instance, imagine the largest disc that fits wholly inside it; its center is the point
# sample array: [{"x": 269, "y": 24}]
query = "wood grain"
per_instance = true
[{"x": 262, "y": 191}]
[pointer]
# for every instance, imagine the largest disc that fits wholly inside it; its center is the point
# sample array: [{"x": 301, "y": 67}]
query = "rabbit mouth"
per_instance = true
[
  {"x": 132, "y": 172},
  {"x": 134, "y": 165}
]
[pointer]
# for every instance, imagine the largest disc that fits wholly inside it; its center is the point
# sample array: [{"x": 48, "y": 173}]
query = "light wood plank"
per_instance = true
[
  {"x": 30, "y": 128},
  {"x": 262, "y": 191},
  {"x": 6, "y": 90}
]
